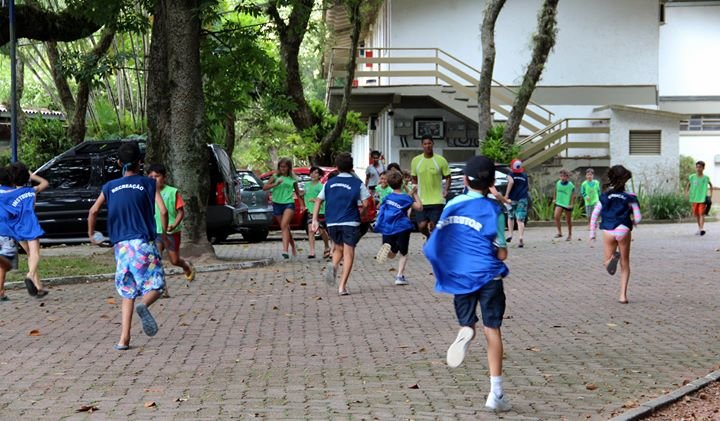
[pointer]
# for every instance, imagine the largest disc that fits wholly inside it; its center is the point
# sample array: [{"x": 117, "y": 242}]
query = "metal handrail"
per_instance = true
[{"x": 438, "y": 51}]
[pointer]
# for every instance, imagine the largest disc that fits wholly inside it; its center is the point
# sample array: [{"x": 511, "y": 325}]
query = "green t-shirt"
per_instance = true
[
  {"x": 430, "y": 173},
  {"x": 312, "y": 190},
  {"x": 698, "y": 188},
  {"x": 169, "y": 196},
  {"x": 382, "y": 192},
  {"x": 563, "y": 193},
  {"x": 283, "y": 192},
  {"x": 590, "y": 192}
]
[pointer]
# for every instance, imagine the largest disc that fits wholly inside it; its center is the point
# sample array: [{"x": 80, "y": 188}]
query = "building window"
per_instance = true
[
  {"x": 645, "y": 142},
  {"x": 661, "y": 15},
  {"x": 701, "y": 123}
]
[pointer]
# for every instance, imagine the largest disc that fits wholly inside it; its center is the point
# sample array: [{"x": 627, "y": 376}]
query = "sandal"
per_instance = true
[
  {"x": 327, "y": 254},
  {"x": 521, "y": 244},
  {"x": 41, "y": 293},
  {"x": 3, "y": 297},
  {"x": 31, "y": 288},
  {"x": 613, "y": 263},
  {"x": 311, "y": 256},
  {"x": 558, "y": 236},
  {"x": 119, "y": 347}
]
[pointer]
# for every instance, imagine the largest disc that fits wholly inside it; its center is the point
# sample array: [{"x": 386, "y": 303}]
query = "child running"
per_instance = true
[
  {"x": 696, "y": 191},
  {"x": 342, "y": 216},
  {"x": 27, "y": 227},
  {"x": 8, "y": 250},
  {"x": 131, "y": 202},
  {"x": 590, "y": 191},
  {"x": 466, "y": 252},
  {"x": 312, "y": 188},
  {"x": 283, "y": 184},
  {"x": 382, "y": 190},
  {"x": 176, "y": 213},
  {"x": 620, "y": 212},
  {"x": 564, "y": 200},
  {"x": 394, "y": 224}
]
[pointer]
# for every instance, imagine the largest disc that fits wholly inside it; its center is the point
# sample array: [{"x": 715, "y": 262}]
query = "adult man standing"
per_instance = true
[
  {"x": 428, "y": 171},
  {"x": 372, "y": 173}
]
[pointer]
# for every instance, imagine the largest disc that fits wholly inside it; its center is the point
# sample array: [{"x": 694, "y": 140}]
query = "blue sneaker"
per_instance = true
[
  {"x": 148, "y": 321},
  {"x": 400, "y": 280}
]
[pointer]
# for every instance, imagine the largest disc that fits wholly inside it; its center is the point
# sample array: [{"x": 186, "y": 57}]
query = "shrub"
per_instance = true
[
  {"x": 41, "y": 140},
  {"x": 668, "y": 206},
  {"x": 495, "y": 148}
]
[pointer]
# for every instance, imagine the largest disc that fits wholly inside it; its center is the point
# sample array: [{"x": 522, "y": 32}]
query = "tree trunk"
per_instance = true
[
  {"x": 543, "y": 43},
  {"x": 176, "y": 121},
  {"x": 61, "y": 83},
  {"x": 230, "y": 133},
  {"x": 353, "y": 9},
  {"x": 487, "y": 34},
  {"x": 291, "y": 36}
]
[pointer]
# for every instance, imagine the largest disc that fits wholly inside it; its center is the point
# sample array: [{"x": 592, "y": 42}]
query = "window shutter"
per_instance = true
[{"x": 645, "y": 142}]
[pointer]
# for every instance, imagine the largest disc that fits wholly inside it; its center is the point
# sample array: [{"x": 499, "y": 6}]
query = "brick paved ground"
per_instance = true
[{"x": 276, "y": 343}]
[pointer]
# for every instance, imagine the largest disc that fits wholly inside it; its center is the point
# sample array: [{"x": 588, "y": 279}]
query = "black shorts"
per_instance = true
[
  {"x": 492, "y": 305},
  {"x": 399, "y": 242},
  {"x": 321, "y": 221},
  {"x": 429, "y": 213},
  {"x": 563, "y": 208},
  {"x": 344, "y": 235}
]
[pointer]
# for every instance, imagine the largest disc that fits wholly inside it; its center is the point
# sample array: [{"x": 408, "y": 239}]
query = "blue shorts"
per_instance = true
[
  {"x": 344, "y": 235},
  {"x": 279, "y": 208},
  {"x": 139, "y": 268},
  {"x": 429, "y": 213},
  {"x": 399, "y": 242},
  {"x": 492, "y": 305}
]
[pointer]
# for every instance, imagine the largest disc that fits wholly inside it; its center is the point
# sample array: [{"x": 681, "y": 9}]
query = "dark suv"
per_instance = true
[{"x": 76, "y": 176}]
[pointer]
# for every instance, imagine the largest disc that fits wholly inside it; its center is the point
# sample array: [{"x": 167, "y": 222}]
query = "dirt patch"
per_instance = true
[{"x": 703, "y": 405}]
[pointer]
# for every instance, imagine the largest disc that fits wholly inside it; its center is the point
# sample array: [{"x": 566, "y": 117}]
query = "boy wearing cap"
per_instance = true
[
  {"x": 466, "y": 252},
  {"x": 517, "y": 192},
  {"x": 131, "y": 202}
]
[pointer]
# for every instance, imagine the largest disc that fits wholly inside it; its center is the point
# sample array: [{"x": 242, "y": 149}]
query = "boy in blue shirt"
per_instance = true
[
  {"x": 466, "y": 252},
  {"x": 131, "y": 202},
  {"x": 26, "y": 226},
  {"x": 342, "y": 216},
  {"x": 394, "y": 223},
  {"x": 8, "y": 251}
]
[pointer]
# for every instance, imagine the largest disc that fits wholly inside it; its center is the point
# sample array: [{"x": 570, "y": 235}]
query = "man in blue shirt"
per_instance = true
[
  {"x": 466, "y": 252},
  {"x": 131, "y": 202},
  {"x": 342, "y": 216},
  {"x": 518, "y": 193}
]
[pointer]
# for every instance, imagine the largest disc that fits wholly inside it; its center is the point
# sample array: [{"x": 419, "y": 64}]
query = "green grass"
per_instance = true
[{"x": 57, "y": 266}]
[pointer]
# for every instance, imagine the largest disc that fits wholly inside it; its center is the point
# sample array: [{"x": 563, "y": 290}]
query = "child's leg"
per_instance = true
[
  {"x": 32, "y": 248},
  {"x": 510, "y": 224},
  {"x": 568, "y": 220},
  {"x": 521, "y": 229},
  {"x": 494, "y": 350},
  {"x": 348, "y": 255},
  {"x": 401, "y": 264},
  {"x": 558, "y": 212},
  {"x": 610, "y": 244},
  {"x": 624, "y": 246},
  {"x": 128, "y": 306},
  {"x": 285, "y": 228},
  {"x": 325, "y": 238},
  {"x": 701, "y": 220},
  {"x": 5, "y": 266},
  {"x": 311, "y": 242}
]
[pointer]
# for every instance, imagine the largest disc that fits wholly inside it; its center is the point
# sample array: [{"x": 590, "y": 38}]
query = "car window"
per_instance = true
[
  {"x": 70, "y": 173},
  {"x": 249, "y": 182}
]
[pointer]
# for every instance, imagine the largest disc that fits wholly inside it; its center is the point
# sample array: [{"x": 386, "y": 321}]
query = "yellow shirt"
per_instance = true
[{"x": 430, "y": 172}]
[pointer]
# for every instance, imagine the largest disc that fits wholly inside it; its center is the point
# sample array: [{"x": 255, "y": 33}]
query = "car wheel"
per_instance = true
[
  {"x": 255, "y": 236},
  {"x": 216, "y": 237}
]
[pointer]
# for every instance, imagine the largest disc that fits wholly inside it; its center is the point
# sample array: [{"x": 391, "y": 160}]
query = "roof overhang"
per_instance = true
[{"x": 646, "y": 111}]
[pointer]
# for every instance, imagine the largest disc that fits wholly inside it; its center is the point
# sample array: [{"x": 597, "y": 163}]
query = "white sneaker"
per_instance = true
[
  {"x": 382, "y": 254},
  {"x": 456, "y": 352},
  {"x": 330, "y": 274},
  {"x": 497, "y": 404},
  {"x": 400, "y": 280}
]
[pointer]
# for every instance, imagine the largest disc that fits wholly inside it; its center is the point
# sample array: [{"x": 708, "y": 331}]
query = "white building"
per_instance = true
[{"x": 621, "y": 78}]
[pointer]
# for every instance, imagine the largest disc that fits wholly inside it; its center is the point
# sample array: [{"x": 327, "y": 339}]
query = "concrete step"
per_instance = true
[
  {"x": 461, "y": 99},
  {"x": 448, "y": 91}
]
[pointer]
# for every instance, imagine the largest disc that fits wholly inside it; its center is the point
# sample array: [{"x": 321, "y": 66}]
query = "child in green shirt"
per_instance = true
[
  {"x": 382, "y": 189},
  {"x": 312, "y": 190},
  {"x": 564, "y": 199},
  {"x": 697, "y": 192},
  {"x": 590, "y": 191}
]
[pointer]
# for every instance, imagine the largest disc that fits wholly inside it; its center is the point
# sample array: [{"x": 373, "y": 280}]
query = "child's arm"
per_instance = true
[
  {"x": 637, "y": 217},
  {"x": 594, "y": 219},
  {"x": 500, "y": 243},
  {"x": 180, "y": 213},
  {"x": 270, "y": 183},
  {"x": 417, "y": 204},
  {"x": 42, "y": 183},
  {"x": 583, "y": 191},
  {"x": 163, "y": 211},
  {"x": 510, "y": 185},
  {"x": 572, "y": 198},
  {"x": 92, "y": 216},
  {"x": 316, "y": 214}
]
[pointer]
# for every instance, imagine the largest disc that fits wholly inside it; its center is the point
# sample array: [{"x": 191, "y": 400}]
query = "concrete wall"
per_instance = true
[
  {"x": 689, "y": 41},
  {"x": 589, "y": 50},
  {"x": 654, "y": 172}
]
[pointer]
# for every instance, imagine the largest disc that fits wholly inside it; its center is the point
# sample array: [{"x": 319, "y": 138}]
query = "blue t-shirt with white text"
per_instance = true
[
  {"x": 8, "y": 214},
  {"x": 21, "y": 201},
  {"x": 131, "y": 208},
  {"x": 392, "y": 217}
]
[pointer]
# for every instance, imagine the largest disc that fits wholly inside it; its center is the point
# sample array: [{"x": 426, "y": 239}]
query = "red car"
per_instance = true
[{"x": 299, "y": 221}]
